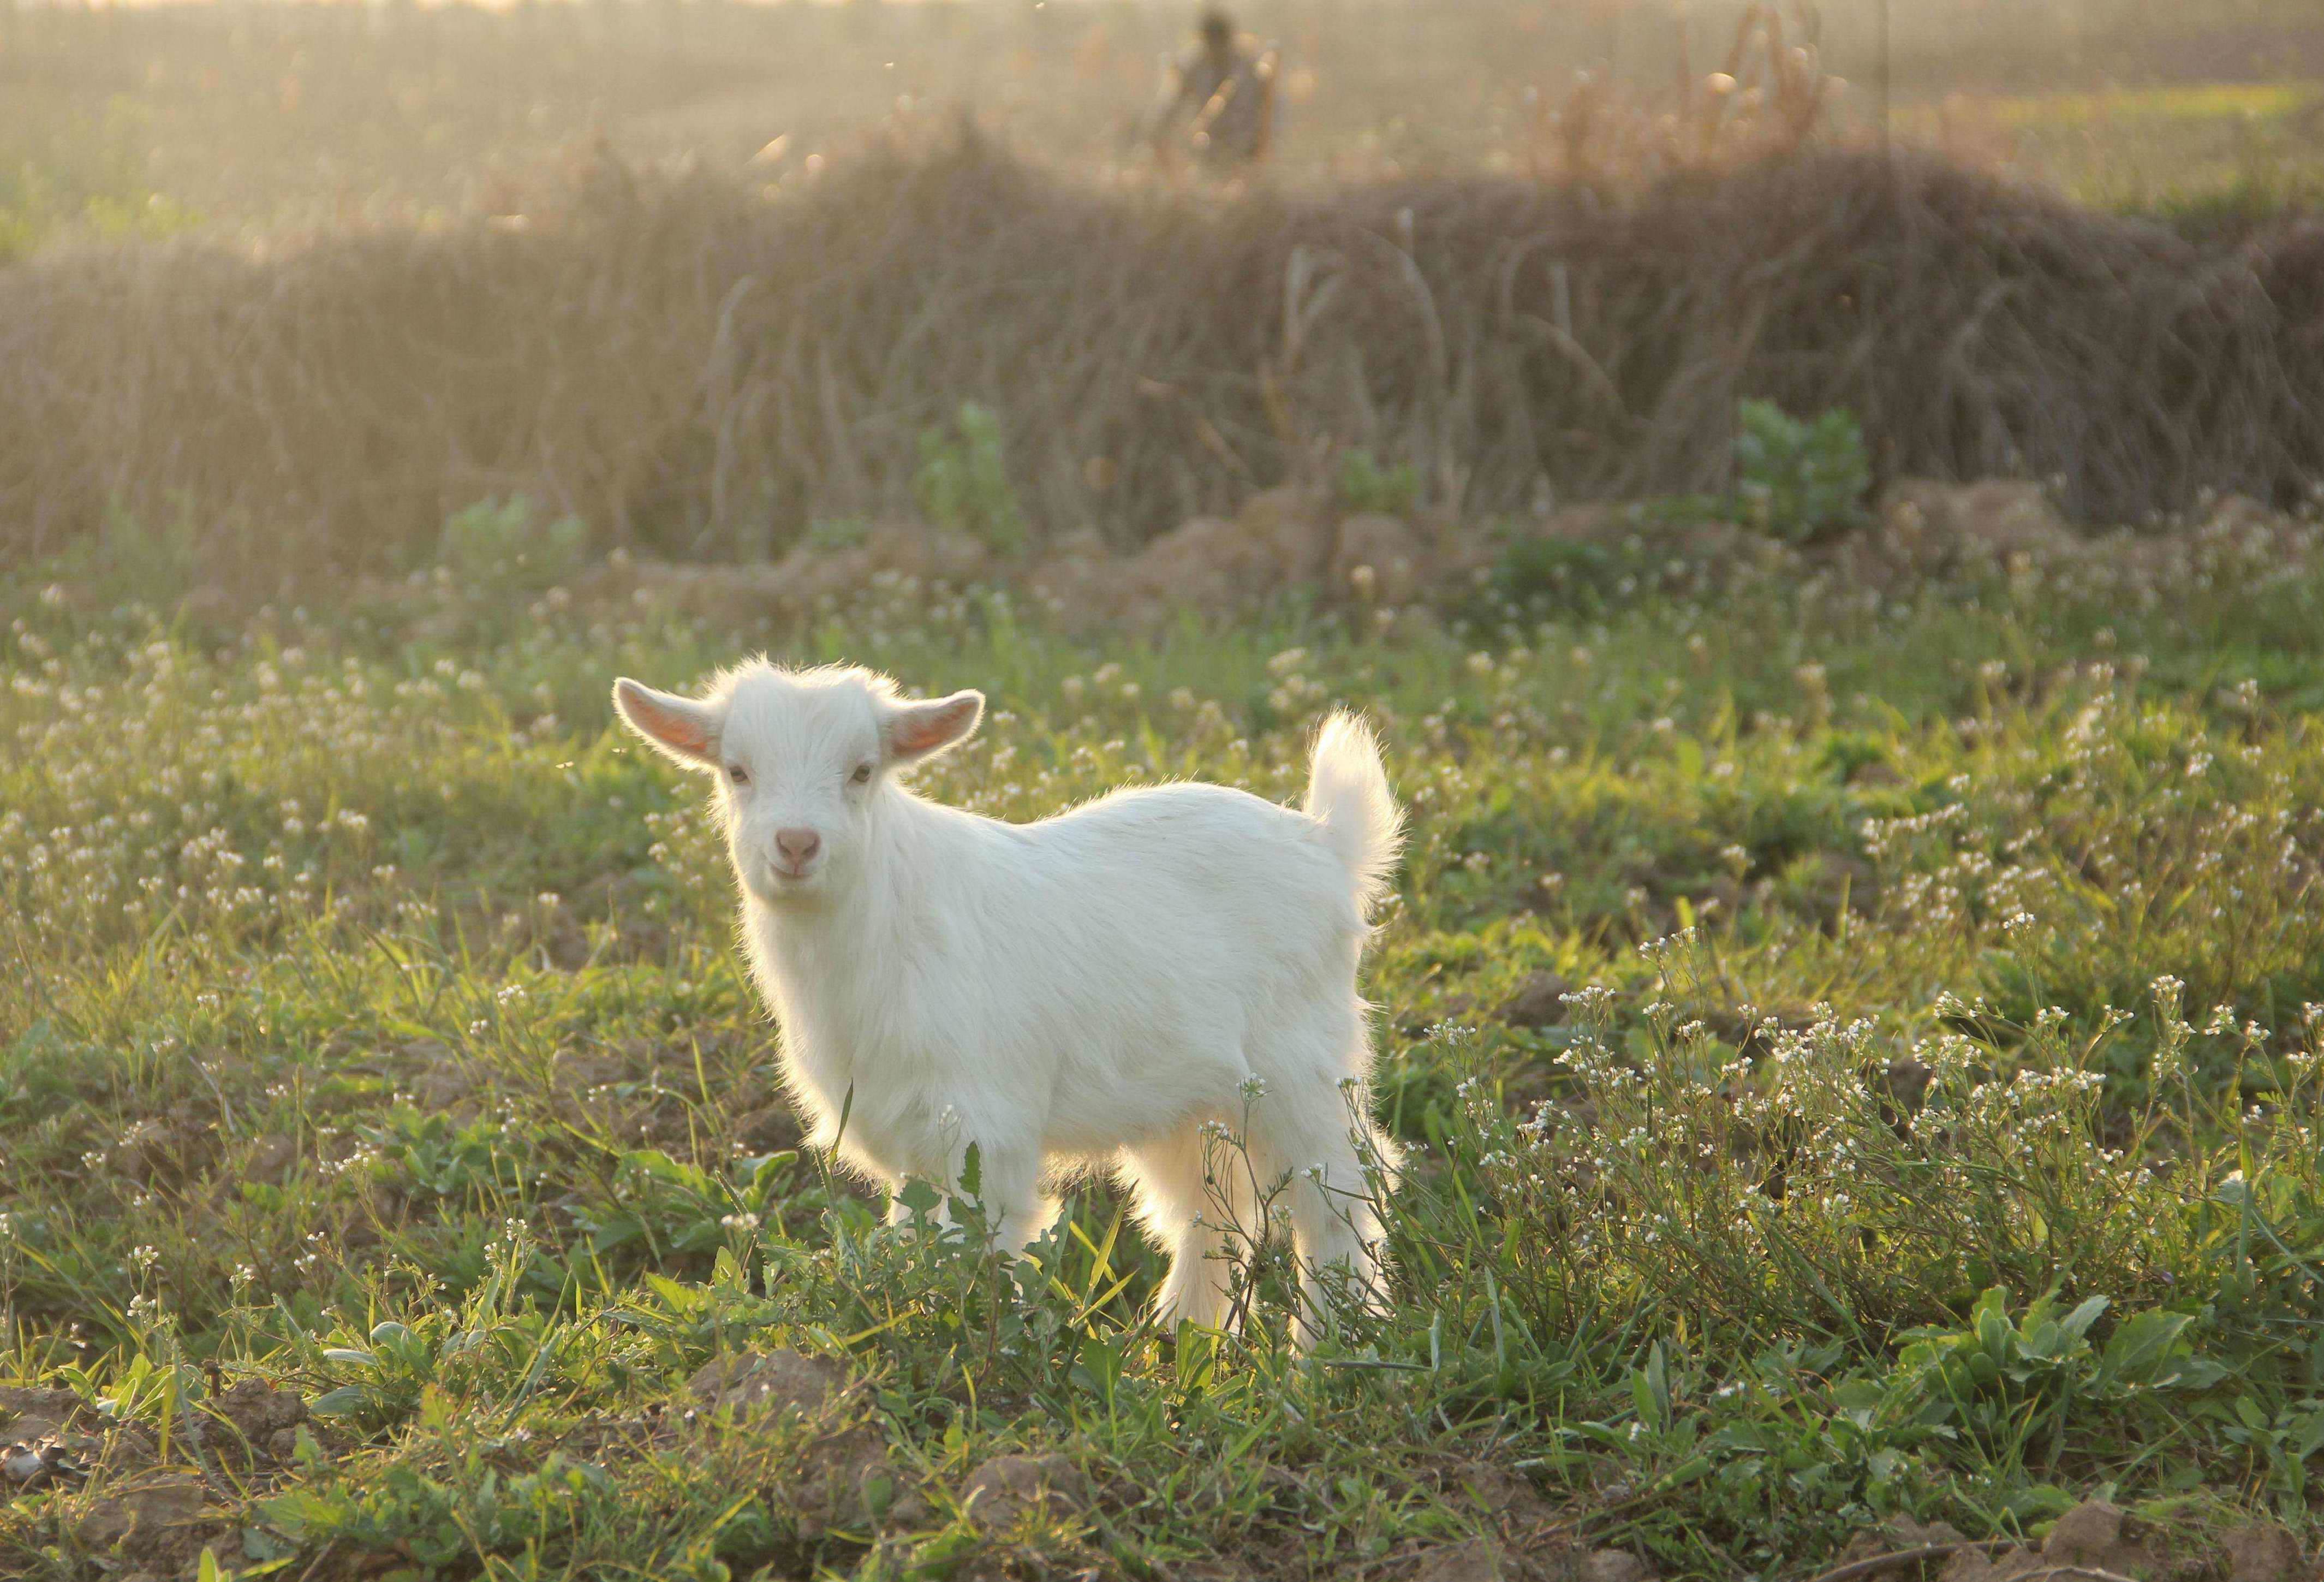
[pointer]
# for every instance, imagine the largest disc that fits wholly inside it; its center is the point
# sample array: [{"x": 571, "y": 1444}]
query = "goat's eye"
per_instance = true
[
  {"x": 862, "y": 774},
  {"x": 738, "y": 774}
]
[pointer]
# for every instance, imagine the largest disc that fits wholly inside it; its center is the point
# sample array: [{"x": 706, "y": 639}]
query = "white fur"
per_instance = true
[{"x": 1089, "y": 990}]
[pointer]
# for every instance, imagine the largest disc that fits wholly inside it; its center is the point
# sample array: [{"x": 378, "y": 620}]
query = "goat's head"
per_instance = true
[{"x": 802, "y": 758}]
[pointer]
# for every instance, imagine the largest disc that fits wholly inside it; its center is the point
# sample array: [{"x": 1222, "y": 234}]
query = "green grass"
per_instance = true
[
  {"x": 82, "y": 177},
  {"x": 2198, "y": 155},
  {"x": 2200, "y": 101},
  {"x": 1931, "y": 1130}
]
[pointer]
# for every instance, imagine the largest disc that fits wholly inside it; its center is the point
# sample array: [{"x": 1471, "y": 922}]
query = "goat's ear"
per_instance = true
[
  {"x": 915, "y": 731},
  {"x": 676, "y": 727}
]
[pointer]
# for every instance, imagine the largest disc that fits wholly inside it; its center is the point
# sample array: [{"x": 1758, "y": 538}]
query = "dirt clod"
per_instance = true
[
  {"x": 1897, "y": 1535},
  {"x": 2099, "y": 1533},
  {"x": 1380, "y": 560},
  {"x": 999, "y": 1493},
  {"x": 1971, "y": 1565},
  {"x": 770, "y": 1383},
  {"x": 142, "y": 1519},
  {"x": 1295, "y": 525},
  {"x": 848, "y": 1479},
  {"x": 34, "y": 1429},
  {"x": 1500, "y": 1492},
  {"x": 52, "y": 1406},
  {"x": 2265, "y": 1551},
  {"x": 1479, "y": 1560},
  {"x": 1930, "y": 524},
  {"x": 1208, "y": 563},
  {"x": 260, "y": 1421},
  {"x": 1614, "y": 1565}
]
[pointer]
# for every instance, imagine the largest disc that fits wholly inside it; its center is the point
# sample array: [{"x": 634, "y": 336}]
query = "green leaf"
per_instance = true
[
  {"x": 682, "y": 1299},
  {"x": 1650, "y": 1390},
  {"x": 2078, "y": 1322},
  {"x": 303, "y": 1513},
  {"x": 1994, "y": 1333},
  {"x": 339, "y": 1402},
  {"x": 2139, "y": 1347}
]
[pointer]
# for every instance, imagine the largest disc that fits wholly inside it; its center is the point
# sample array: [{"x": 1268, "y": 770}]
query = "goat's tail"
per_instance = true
[{"x": 1348, "y": 795}]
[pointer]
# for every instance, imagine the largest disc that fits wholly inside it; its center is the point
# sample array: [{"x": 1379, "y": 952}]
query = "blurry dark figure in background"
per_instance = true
[{"x": 1220, "y": 104}]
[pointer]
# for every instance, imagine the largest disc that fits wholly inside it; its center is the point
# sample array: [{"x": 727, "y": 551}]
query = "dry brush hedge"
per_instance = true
[{"x": 696, "y": 366}]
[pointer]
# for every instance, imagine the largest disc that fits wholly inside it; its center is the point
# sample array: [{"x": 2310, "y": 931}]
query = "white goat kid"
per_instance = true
[{"x": 1099, "y": 989}]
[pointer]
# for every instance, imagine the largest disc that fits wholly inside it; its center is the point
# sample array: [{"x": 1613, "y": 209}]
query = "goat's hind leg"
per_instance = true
[
  {"x": 1203, "y": 1224},
  {"x": 1306, "y": 1131}
]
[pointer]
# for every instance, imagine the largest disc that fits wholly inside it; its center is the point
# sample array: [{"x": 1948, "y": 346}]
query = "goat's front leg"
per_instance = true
[
  {"x": 1008, "y": 1189},
  {"x": 1015, "y": 1211}
]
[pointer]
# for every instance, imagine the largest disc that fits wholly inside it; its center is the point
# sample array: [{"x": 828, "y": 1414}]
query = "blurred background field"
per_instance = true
[
  {"x": 256, "y": 119},
  {"x": 713, "y": 279}
]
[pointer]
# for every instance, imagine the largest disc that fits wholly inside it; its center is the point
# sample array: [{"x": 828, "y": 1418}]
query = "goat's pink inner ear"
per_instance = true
[
  {"x": 681, "y": 732},
  {"x": 924, "y": 727}
]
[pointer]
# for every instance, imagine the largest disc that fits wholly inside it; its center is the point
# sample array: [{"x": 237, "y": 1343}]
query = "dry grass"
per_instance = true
[
  {"x": 1522, "y": 295},
  {"x": 691, "y": 364}
]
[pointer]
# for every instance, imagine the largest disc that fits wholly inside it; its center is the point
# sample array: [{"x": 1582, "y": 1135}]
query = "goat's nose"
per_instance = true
[{"x": 797, "y": 846}]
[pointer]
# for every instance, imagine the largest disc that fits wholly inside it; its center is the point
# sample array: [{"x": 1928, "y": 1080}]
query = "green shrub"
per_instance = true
[
  {"x": 963, "y": 483},
  {"x": 830, "y": 534},
  {"x": 1795, "y": 478},
  {"x": 504, "y": 546},
  {"x": 1364, "y": 485}
]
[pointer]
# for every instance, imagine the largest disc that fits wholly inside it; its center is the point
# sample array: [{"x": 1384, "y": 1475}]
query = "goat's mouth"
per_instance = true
[{"x": 782, "y": 878}]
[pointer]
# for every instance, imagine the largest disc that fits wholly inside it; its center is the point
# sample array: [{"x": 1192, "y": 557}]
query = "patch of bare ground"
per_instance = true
[
  {"x": 2095, "y": 1541},
  {"x": 1292, "y": 539}
]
